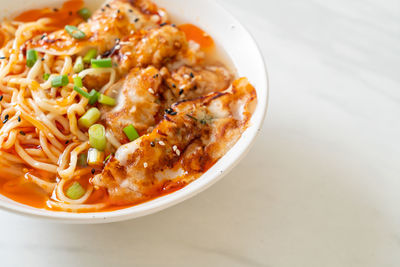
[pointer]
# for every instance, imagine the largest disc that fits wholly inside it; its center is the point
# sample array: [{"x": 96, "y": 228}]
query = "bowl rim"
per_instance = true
[{"x": 166, "y": 201}]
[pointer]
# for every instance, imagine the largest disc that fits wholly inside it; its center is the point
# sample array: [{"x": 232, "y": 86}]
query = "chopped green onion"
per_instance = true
[
  {"x": 82, "y": 160},
  {"x": 95, "y": 157},
  {"x": 101, "y": 63},
  {"x": 84, "y": 13},
  {"x": 81, "y": 92},
  {"x": 89, "y": 118},
  {"x": 93, "y": 96},
  {"x": 106, "y": 100},
  {"x": 46, "y": 76},
  {"x": 75, "y": 191},
  {"x": 92, "y": 53},
  {"x": 60, "y": 80},
  {"x": 97, "y": 137},
  {"x": 78, "y": 81},
  {"x": 78, "y": 66},
  {"x": 131, "y": 133},
  {"x": 107, "y": 158},
  {"x": 75, "y": 32},
  {"x": 31, "y": 57}
]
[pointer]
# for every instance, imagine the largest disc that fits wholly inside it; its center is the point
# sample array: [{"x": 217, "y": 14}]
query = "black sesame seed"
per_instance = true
[
  {"x": 2, "y": 57},
  {"x": 66, "y": 142},
  {"x": 163, "y": 24},
  {"x": 42, "y": 59},
  {"x": 1, "y": 97},
  {"x": 173, "y": 85},
  {"x": 191, "y": 75},
  {"x": 173, "y": 25},
  {"x": 108, "y": 5},
  {"x": 118, "y": 11},
  {"x": 180, "y": 91},
  {"x": 55, "y": 9},
  {"x": 22, "y": 133},
  {"x": 102, "y": 10},
  {"x": 152, "y": 144},
  {"x": 137, "y": 19},
  {"x": 130, "y": 10},
  {"x": 43, "y": 36},
  {"x": 6, "y": 118},
  {"x": 170, "y": 111},
  {"x": 93, "y": 171},
  {"x": 19, "y": 119}
]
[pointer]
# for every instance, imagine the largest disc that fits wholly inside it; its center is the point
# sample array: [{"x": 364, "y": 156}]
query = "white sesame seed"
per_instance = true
[
  {"x": 186, "y": 76},
  {"x": 178, "y": 152},
  {"x": 174, "y": 148},
  {"x": 145, "y": 165},
  {"x": 151, "y": 91},
  {"x": 161, "y": 143}
]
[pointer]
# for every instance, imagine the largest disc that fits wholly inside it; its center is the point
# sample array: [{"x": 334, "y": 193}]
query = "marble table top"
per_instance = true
[{"x": 321, "y": 187}]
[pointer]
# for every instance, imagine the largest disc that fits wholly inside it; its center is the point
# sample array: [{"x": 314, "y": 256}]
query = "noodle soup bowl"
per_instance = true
[{"x": 247, "y": 61}]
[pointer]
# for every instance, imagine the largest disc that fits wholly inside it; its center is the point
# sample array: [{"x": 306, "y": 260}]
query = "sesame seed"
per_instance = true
[
  {"x": 108, "y": 5},
  {"x": 178, "y": 152},
  {"x": 152, "y": 144},
  {"x": 137, "y": 19},
  {"x": 6, "y": 118},
  {"x": 2, "y": 57},
  {"x": 163, "y": 24},
  {"x": 93, "y": 171},
  {"x": 19, "y": 119},
  {"x": 180, "y": 91},
  {"x": 55, "y": 9},
  {"x": 22, "y": 132},
  {"x": 174, "y": 148},
  {"x": 1, "y": 97},
  {"x": 191, "y": 75},
  {"x": 151, "y": 91},
  {"x": 161, "y": 143},
  {"x": 145, "y": 165},
  {"x": 185, "y": 76}
]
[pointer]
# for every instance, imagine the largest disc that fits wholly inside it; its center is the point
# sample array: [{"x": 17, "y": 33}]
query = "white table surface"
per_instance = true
[{"x": 320, "y": 188}]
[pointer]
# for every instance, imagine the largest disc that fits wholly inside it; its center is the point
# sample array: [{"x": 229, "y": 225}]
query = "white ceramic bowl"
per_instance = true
[{"x": 246, "y": 58}]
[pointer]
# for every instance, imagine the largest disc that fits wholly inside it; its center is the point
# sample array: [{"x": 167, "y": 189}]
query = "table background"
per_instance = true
[{"x": 321, "y": 187}]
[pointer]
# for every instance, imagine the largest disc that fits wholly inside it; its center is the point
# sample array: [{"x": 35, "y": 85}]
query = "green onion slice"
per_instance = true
[
  {"x": 92, "y": 53},
  {"x": 75, "y": 191},
  {"x": 60, "y": 80},
  {"x": 78, "y": 81},
  {"x": 101, "y": 63},
  {"x": 81, "y": 92},
  {"x": 46, "y": 76},
  {"x": 106, "y": 100},
  {"x": 89, "y": 118},
  {"x": 31, "y": 57},
  {"x": 84, "y": 13},
  {"x": 82, "y": 160},
  {"x": 75, "y": 32},
  {"x": 97, "y": 137},
  {"x": 131, "y": 133},
  {"x": 93, "y": 97},
  {"x": 95, "y": 157},
  {"x": 78, "y": 66}
]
